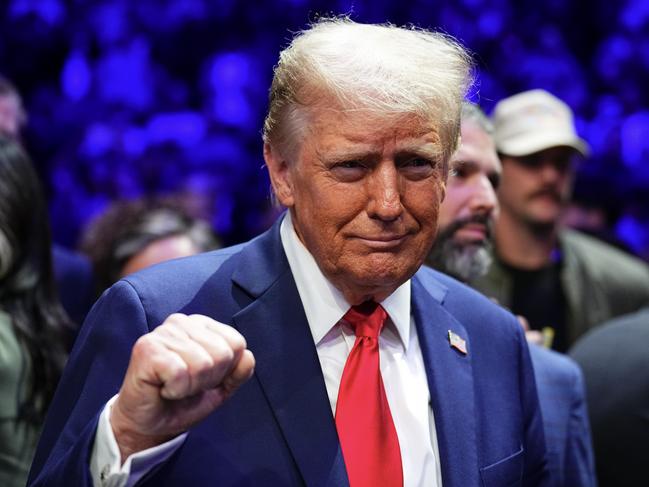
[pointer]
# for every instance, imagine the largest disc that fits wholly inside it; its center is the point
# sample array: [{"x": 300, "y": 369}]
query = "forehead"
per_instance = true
[
  {"x": 337, "y": 131},
  {"x": 477, "y": 147}
]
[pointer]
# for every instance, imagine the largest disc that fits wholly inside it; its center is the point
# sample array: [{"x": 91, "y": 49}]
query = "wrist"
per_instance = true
[{"x": 129, "y": 439}]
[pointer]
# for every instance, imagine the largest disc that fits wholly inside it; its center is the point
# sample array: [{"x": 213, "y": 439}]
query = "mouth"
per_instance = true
[
  {"x": 472, "y": 232},
  {"x": 382, "y": 242}
]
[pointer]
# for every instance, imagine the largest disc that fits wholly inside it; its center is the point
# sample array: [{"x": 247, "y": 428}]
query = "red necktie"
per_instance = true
[{"x": 365, "y": 428}]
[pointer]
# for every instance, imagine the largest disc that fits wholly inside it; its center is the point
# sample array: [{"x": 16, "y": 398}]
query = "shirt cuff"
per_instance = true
[{"x": 105, "y": 458}]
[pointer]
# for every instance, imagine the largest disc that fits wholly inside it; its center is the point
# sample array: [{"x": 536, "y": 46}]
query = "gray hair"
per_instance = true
[
  {"x": 462, "y": 260},
  {"x": 473, "y": 113},
  {"x": 380, "y": 70}
]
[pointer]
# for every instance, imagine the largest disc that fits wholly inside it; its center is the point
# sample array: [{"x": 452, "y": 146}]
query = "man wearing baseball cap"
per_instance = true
[{"x": 563, "y": 282}]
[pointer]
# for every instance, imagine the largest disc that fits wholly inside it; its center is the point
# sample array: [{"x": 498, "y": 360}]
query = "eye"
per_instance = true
[
  {"x": 494, "y": 179},
  {"x": 417, "y": 167},
  {"x": 417, "y": 162},
  {"x": 459, "y": 171},
  {"x": 348, "y": 171},
  {"x": 349, "y": 164}
]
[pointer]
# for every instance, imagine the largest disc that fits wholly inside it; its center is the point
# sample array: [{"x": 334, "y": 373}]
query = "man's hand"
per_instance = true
[{"x": 178, "y": 374}]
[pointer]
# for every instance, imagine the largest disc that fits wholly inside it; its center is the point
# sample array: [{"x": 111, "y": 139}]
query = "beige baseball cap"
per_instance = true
[{"x": 532, "y": 121}]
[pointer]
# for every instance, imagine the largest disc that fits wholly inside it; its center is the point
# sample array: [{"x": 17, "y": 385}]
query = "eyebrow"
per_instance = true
[
  {"x": 428, "y": 150},
  {"x": 472, "y": 166},
  {"x": 342, "y": 155},
  {"x": 367, "y": 151},
  {"x": 464, "y": 163}
]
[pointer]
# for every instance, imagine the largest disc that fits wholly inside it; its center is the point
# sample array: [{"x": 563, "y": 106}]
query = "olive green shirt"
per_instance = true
[{"x": 598, "y": 281}]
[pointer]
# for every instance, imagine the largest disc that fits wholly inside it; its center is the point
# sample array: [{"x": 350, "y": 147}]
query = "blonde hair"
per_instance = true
[{"x": 380, "y": 70}]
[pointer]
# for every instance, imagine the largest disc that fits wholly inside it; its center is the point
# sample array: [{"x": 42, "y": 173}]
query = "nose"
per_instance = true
[
  {"x": 555, "y": 169},
  {"x": 551, "y": 173},
  {"x": 484, "y": 199},
  {"x": 384, "y": 193}
]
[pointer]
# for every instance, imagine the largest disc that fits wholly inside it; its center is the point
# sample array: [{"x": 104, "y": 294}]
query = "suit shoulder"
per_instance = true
[
  {"x": 555, "y": 366},
  {"x": 182, "y": 278},
  {"x": 628, "y": 333}
]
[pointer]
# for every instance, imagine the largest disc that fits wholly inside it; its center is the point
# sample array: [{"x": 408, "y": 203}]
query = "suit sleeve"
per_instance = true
[
  {"x": 93, "y": 374},
  {"x": 536, "y": 472},
  {"x": 580, "y": 463}
]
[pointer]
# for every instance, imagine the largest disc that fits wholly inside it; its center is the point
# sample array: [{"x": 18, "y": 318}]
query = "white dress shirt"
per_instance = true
[{"x": 402, "y": 369}]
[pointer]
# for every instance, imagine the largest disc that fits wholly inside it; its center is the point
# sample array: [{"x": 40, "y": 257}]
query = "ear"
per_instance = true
[{"x": 280, "y": 175}]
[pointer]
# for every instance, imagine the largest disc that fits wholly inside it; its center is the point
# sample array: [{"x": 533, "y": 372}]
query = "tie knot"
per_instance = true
[{"x": 366, "y": 319}]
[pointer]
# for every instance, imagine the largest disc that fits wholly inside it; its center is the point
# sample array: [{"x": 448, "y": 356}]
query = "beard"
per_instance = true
[{"x": 465, "y": 261}]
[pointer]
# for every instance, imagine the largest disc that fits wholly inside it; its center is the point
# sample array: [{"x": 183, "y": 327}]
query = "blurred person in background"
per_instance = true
[
  {"x": 13, "y": 117},
  {"x": 615, "y": 361},
  {"x": 34, "y": 329},
  {"x": 562, "y": 281},
  {"x": 132, "y": 235},
  {"x": 462, "y": 249},
  {"x": 72, "y": 271}
]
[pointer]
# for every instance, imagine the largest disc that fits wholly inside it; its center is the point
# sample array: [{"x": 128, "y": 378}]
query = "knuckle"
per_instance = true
[
  {"x": 239, "y": 342},
  {"x": 224, "y": 356},
  {"x": 203, "y": 365},
  {"x": 143, "y": 345},
  {"x": 235, "y": 339},
  {"x": 179, "y": 374},
  {"x": 175, "y": 319}
]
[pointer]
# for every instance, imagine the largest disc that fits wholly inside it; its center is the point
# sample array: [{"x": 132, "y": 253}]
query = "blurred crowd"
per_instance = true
[
  {"x": 127, "y": 99},
  {"x": 143, "y": 119}
]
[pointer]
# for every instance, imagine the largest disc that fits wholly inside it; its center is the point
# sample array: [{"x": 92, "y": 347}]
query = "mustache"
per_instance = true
[
  {"x": 485, "y": 219},
  {"x": 549, "y": 191}
]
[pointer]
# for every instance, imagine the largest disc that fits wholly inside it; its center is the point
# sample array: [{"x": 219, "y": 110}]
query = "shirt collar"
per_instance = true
[{"x": 323, "y": 303}]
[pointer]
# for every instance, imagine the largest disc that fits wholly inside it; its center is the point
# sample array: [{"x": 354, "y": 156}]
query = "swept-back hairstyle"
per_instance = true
[
  {"x": 27, "y": 290},
  {"x": 381, "y": 70}
]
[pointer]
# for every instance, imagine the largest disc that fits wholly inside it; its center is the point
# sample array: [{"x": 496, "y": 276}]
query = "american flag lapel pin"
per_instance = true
[{"x": 457, "y": 342}]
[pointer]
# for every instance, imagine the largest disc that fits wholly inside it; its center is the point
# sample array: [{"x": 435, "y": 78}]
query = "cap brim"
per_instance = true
[{"x": 523, "y": 146}]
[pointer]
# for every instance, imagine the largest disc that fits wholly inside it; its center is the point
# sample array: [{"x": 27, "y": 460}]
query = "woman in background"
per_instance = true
[
  {"x": 34, "y": 329},
  {"x": 134, "y": 234}
]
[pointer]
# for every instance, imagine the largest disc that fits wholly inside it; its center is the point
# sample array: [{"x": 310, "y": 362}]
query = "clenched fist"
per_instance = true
[{"x": 178, "y": 374}]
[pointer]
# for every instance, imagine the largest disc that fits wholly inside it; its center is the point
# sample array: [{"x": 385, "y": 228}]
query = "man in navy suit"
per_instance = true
[
  {"x": 362, "y": 122},
  {"x": 462, "y": 250}
]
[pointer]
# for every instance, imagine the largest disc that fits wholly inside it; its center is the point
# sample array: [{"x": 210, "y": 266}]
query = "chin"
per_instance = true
[{"x": 387, "y": 271}]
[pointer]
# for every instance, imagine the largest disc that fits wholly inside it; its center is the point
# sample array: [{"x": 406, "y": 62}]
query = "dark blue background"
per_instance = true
[{"x": 137, "y": 97}]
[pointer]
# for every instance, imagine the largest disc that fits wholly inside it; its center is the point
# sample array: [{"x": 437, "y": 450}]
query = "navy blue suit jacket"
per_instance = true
[
  {"x": 278, "y": 429},
  {"x": 562, "y": 396}
]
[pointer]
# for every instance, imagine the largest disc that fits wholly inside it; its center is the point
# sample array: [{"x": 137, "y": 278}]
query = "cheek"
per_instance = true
[
  {"x": 566, "y": 183},
  {"x": 426, "y": 208},
  {"x": 330, "y": 206},
  {"x": 510, "y": 186},
  {"x": 450, "y": 209}
]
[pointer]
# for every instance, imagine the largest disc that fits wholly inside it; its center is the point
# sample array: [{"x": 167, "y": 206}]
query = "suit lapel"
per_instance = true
[
  {"x": 450, "y": 382},
  {"x": 288, "y": 369}
]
